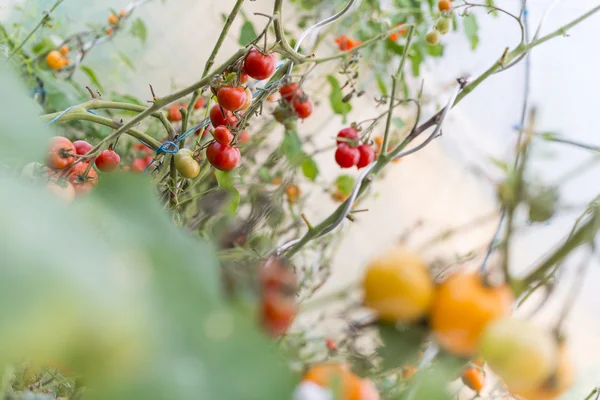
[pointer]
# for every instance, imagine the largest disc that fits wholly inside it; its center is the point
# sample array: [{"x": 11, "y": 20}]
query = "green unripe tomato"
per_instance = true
[
  {"x": 182, "y": 153},
  {"x": 432, "y": 38},
  {"x": 187, "y": 167},
  {"x": 33, "y": 170},
  {"x": 521, "y": 353},
  {"x": 443, "y": 25}
]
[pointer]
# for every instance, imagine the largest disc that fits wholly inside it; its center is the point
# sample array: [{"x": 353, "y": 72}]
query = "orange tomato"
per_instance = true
[
  {"x": 340, "y": 379},
  {"x": 463, "y": 306},
  {"x": 473, "y": 378},
  {"x": 339, "y": 196},
  {"x": 444, "y": 5},
  {"x": 64, "y": 49},
  {"x": 292, "y": 193},
  {"x": 61, "y": 153},
  {"x": 113, "y": 19},
  {"x": 55, "y": 60},
  {"x": 398, "y": 286},
  {"x": 408, "y": 371},
  {"x": 276, "y": 180},
  {"x": 394, "y": 36},
  {"x": 346, "y": 43},
  {"x": 559, "y": 382},
  {"x": 122, "y": 13},
  {"x": 109, "y": 31}
]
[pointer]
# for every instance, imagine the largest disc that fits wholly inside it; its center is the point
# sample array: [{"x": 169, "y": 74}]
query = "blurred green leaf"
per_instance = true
[
  {"x": 126, "y": 60},
  {"x": 226, "y": 180},
  {"x": 336, "y": 96},
  {"x": 416, "y": 58},
  {"x": 92, "y": 75},
  {"x": 292, "y": 148},
  {"x": 500, "y": 164},
  {"x": 247, "y": 33},
  {"x": 310, "y": 168},
  {"x": 381, "y": 84},
  {"x": 398, "y": 122},
  {"x": 138, "y": 30},
  {"x": 345, "y": 184},
  {"x": 471, "y": 30},
  {"x": 400, "y": 345},
  {"x": 44, "y": 46}
]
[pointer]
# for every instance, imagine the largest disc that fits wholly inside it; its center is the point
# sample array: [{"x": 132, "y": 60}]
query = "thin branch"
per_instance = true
[{"x": 44, "y": 19}]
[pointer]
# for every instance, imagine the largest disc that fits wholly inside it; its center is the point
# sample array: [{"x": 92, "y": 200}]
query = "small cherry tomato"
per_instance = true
[
  {"x": 292, "y": 193},
  {"x": 83, "y": 182},
  {"x": 276, "y": 275},
  {"x": 61, "y": 153},
  {"x": 55, "y": 60},
  {"x": 187, "y": 166},
  {"x": 64, "y": 49},
  {"x": 432, "y": 38},
  {"x": 82, "y": 147},
  {"x": 64, "y": 191},
  {"x": 231, "y": 98},
  {"x": 174, "y": 115},
  {"x": 398, "y": 286},
  {"x": 463, "y": 306},
  {"x": 473, "y": 378},
  {"x": 223, "y": 135},
  {"x": 336, "y": 375},
  {"x": 347, "y": 133},
  {"x": 331, "y": 344},
  {"x": 303, "y": 108},
  {"x": 199, "y": 103},
  {"x": 346, "y": 156},
  {"x": 139, "y": 165},
  {"x": 220, "y": 116},
  {"x": 258, "y": 65},
  {"x": 346, "y": 43},
  {"x": 248, "y": 101},
  {"x": 290, "y": 91},
  {"x": 243, "y": 77},
  {"x": 113, "y": 19},
  {"x": 108, "y": 161},
  {"x": 122, "y": 13},
  {"x": 367, "y": 155},
  {"x": 109, "y": 31},
  {"x": 277, "y": 312},
  {"x": 443, "y": 25},
  {"x": 223, "y": 157},
  {"x": 244, "y": 136},
  {"x": 444, "y": 5}
]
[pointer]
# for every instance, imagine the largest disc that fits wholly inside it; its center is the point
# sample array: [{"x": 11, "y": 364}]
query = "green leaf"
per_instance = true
[
  {"x": 416, "y": 58},
  {"x": 292, "y": 148},
  {"x": 226, "y": 180},
  {"x": 336, "y": 96},
  {"x": 345, "y": 184},
  {"x": 310, "y": 168},
  {"x": 92, "y": 75},
  {"x": 247, "y": 33},
  {"x": 500, "y": 164},
  {"x": 138, "y": 30},
  {"x": 400, "y": 345},
  {"x": 435, "y": 51},
  {"x": 382, "y": 85},
  {"x": 471, "y": 29},
  {"x": 490, "y": 3},
  {"x": 126, "y": 60},
  {"x": 43, "y": 46}
]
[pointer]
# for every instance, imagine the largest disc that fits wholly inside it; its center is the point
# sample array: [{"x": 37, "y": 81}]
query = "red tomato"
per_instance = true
[
  {"x": 367, "y": 155},
  {"x": 139, "y": 165},
  {"x": 61, "y": 153},
  {"x": 303, "y": 108},
  {"x": 174, "y": 115},
  {"x": 346, "y": 156},
  {"x": 82, "y": 182},
  {"x": 108, "y": 161},
  {"x": 290, "y": 91},
  {"x": 204, "y": 130},
  {"x": 223, "y": 135},
  {"x": 223, "y": 157},
  {"x": 278, "y": 313},
  {"x": 275, "y": 275},
  {"x": 82, "y": 147},
  {"x": 199, "y": 103},
  {"x": 231, "y": 98},
  {"x": 331, "y": 344},
  {"x": 243, "y": 77},
  {"x": 258, "y": 65},
  {"x": 347, "y": 133},
  {"x": 219, "y": 116},
  {"x": 244, "y": 137}
]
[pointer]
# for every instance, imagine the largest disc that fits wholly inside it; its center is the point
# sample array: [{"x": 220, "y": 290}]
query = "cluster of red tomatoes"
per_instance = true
[
  {"x": 469, "y": 317},
  {"x": 68, "y": 175},
  {"x": 351, "y": 152},
  {"x": 294, "y": 103}
]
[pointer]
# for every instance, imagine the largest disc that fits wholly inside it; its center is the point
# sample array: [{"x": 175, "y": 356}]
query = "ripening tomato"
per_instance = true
[
  {"x": 199, "y": 103},
  {"x": 398, "y": 286},
  {"x": 182, "y": 153},
  {"x": 346, "y": 43},
  {"x": 248, "y": 101},
  {"x": 108, "y": 161},
  {"x": 231, "y": 98},
  {"x": 292, "y": 192},
  {"x": 187, "y": 166},
  {"x": 113, "y": 19},
  {"x": 277, "y": 312},
  {"x": 560, "y": 380},
  {"x": 220, "y": 116},
  {"x": 223, "y": 135},
  {"x": 139, "y": 165},
  {"x": 223, "y": 157},
  {"x": 61, "y": 153},
  {"x": 347, "y": 133},
  {"x": 83, "y": 182},
  {"x": 244, "y": 136},
  {"x": 432, "y": 38},
  {"x": 346, "y": 156},
  {"x": 463, "y": 306},
  {"x": 258, "y": 65},
  {"x": 55, "y": 60},
  {"x": 64, "y": 49},
  {"x": 521, "y": 353},
  {"x": 109, "y": 31},
  {"x": 303, "y": 108},
  {"x": 473, "y": 378},
  {"x": 444, "y": 5},
  {"x": 290, "y": 91},
  {"x": 443, "y": 25},
  {"x": 336, "y": 376},
  {"x": 82, "y": 147},
  {"x": 394, "y": 36},
  {"x": 64, "y": 191},
  {"x": 243, "y": 77},
  {"x": 174, "y": 115},
  {"x": 367, "y": 155},
  {"x": 122, "y": 13}
]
